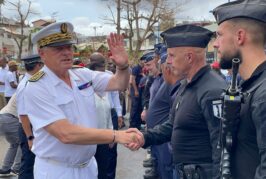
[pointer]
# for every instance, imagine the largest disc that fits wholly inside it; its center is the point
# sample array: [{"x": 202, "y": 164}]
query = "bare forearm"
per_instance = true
[
  {"x": 119, "y": 80},
  {"x": 84, "y": 136},
  {"x": 72, "y": 134},
  {"x": 26, "y": 125}
]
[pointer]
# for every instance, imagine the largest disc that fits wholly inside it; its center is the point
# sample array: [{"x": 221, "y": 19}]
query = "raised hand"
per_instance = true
[{"x": 116, "y": 46}]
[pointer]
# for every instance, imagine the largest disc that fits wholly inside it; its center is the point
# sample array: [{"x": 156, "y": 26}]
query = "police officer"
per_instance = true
[
  {"x": 158, "y": 113},
  {"x": 60, "y": 105},
  {"x": 33, "y": 64},
  {"x": 241, "y": 34},
  {"x": 135, "y": 96},
  {"x": 152, "y": 86},
  {"x": 193, "y": 128}
]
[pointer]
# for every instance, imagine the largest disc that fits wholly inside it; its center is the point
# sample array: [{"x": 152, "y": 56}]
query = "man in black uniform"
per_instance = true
[
  {"x": 192, "y": 128},
  {"x": 241, "y": 33}
]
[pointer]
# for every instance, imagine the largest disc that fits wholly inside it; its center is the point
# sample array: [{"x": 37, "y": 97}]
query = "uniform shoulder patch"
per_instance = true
[
  {"x": 76, "y": 66},
  {"x": 36, "y": 76}
]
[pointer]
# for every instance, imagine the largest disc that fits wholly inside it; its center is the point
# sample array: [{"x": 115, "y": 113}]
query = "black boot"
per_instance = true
[
  {"x": 151, "y": 174},
  {"x": 148, "y": 162}
]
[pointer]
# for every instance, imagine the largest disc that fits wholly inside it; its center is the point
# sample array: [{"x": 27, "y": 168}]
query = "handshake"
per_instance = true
[{"x": 132, "y": 138}]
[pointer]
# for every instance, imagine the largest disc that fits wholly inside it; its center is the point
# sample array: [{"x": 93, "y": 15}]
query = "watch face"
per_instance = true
[{"x": 31, "y": 137}]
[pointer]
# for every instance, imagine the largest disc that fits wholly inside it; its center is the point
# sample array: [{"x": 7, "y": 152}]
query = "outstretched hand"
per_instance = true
[
  {"x": 116, "y": 46},
  {"x": 139, "y": 139}
]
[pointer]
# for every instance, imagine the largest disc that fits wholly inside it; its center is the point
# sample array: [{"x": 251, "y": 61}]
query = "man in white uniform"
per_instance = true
[{"x": 61, "y": 107}]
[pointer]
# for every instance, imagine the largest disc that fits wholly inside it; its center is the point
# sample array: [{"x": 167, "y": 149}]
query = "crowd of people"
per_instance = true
[{"x": 61, "y": 120}]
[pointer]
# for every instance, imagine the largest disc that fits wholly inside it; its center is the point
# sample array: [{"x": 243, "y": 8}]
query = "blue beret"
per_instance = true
[
  {"x": 253, "y": 9},
  {"x": 56, "y": 34},
  {"x": 163, "y": 54},
  {"x": 31, "y": 59},
  {"x": 163, "y": 57},
  {"x": 157, "y": 48},
  {"x": 147, "y": 57},
  {"x": 187, "y": 36}
]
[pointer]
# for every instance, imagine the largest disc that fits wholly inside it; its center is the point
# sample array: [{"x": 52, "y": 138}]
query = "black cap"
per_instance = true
[
  {"x": 35, "y": 58},
  {"x": 147, "y": 57},
  {"x": 187, "y": 36},
  {"x": 253, "y": 9}
]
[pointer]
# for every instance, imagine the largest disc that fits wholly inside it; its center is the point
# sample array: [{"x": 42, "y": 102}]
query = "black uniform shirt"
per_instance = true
[
  {"x": 195, "y": 127},
  {"x": 249, "y": 155}
]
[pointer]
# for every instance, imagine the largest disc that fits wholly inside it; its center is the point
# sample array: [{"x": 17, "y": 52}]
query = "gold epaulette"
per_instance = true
[
  {"x": 36, "y": 76},
  {"x": 76, "y": 66}
]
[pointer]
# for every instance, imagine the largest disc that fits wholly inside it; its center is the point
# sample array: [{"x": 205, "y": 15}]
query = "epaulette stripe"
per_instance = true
[{"x": 36, "y": 76}]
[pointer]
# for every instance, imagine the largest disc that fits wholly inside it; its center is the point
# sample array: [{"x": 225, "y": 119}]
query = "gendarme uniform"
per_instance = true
[
  {"x": 193, "y": 127},
  {"x": 249, "y": 154},
  {"x": 48, "y": 99}
]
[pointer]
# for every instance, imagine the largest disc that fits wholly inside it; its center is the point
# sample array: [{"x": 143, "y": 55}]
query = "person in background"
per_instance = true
[
  {"x": 3, "y": 72},
  {"x": 98, "y": 62},
  {"x": 122, "y": 97},
  {"x": 157, "y": 113},
  {"x": 151, "y": 64},
  {"x": 77, "y": 61},
  {"x": 136, "y": 107},
  {"x": 11, "y": 80},
  {"x": 103, "y": 108},
  {"x": 216, "y": 67},
  {"x": 32, "y": 64},
  {"x": 9, "y": 126}
]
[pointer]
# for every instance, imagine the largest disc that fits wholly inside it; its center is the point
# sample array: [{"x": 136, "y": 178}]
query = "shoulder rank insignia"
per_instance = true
[
  {"x": 76, "y": 66},
  {"x": 36, "y": 76}
]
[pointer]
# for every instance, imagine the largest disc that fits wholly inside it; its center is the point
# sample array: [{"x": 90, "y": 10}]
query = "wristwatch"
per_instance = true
[{"x": 31, "y": 137}]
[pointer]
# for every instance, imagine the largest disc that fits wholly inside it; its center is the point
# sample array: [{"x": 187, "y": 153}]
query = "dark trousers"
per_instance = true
[
  {"x": 106, "y": 161},
  {"x": 135, "y": 112},
  {"x": 163, "y": 159},
  {"x": 106, "y": 156},
  {"x": 27, "y": 160},
  {"x": 112, "y": 158}
]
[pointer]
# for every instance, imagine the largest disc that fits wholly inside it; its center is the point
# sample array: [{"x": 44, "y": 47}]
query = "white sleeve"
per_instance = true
[
  {"x": 10, "y": 77},
  {"x": 116, "y": 102},
  {"x": 99, "y": 80},
  {"x": 20, "y": 98}
]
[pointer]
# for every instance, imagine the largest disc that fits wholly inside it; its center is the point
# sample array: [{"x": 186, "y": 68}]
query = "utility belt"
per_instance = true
[{"x": 194, "y": 171}]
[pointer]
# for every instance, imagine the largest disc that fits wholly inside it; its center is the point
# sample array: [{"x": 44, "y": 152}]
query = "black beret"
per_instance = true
[
  {"x": 147, "y": 57},
  {"x": 35, "y": 58},
  {"x": 253, "y": 9},
  {"x": 187, "y": 36},
  {"x": 157, "y": 48}
]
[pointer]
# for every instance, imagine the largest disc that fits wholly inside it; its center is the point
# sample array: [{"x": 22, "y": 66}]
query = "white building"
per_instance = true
[{"x": 9, "y": 29}]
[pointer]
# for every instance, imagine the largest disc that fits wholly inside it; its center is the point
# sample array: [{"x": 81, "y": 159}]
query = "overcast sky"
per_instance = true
[{"x": 86, "y": 14}]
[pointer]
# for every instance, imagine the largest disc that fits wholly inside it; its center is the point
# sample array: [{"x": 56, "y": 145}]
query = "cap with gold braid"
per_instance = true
[{"x": 56, "y": 34}]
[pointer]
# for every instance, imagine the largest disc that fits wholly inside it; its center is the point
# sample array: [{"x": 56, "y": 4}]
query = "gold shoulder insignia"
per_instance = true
[
  {"x": 36, "y": 76},
  {"x": 76, "y": 66}
]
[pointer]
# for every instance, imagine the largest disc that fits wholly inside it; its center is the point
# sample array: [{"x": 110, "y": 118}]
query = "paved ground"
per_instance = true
[{"x": 129, "y": 163}]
